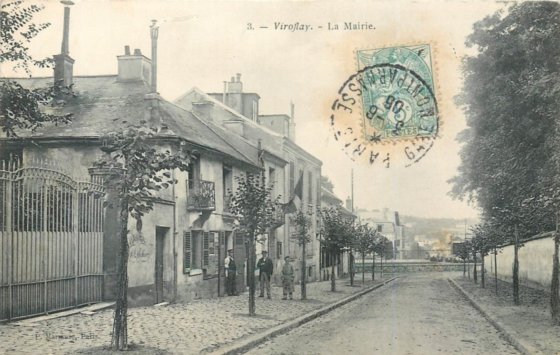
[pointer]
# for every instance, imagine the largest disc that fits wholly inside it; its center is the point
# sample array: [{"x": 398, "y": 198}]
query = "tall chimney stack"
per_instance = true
[
  {"x": 154, "y": 31},
  {"x": 63, "y": 63}
]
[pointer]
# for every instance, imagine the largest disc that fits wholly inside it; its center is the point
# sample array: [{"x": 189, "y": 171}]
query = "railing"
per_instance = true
[
  {"x": 278, "y": 217},
  {"x": 51, "y": 240},
  {"x": 201, "y": 195}
]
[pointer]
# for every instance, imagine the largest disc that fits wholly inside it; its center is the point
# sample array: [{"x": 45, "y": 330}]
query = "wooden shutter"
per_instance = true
[
  {"x": 205, "y": 254},
  {"x": 187, "y": 251}
]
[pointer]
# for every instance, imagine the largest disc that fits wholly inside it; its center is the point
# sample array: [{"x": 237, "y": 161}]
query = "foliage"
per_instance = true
[
  {"x": 16, "y": 32},
  {"x": 365, "y": 239},
  {"x": 326, "y": 183},
  {"x": 302, "y": 222},
  {"x": 336, "y": 230},
  {"x": 510, "y": 99},
  {"x": 22, "y": 108},
  {"x": 137, "y": 169},
  {"x": 146, "y": 168},
  {"x": 254, "y": 207}
]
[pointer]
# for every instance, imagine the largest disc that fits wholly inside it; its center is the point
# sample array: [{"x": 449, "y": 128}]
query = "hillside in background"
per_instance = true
[{"x": 434, "y": 228}]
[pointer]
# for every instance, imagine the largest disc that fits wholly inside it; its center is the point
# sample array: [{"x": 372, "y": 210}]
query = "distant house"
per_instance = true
[{"x": 387, "y": 223}]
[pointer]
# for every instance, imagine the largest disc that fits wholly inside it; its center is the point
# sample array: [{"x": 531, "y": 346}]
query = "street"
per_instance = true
[{"x": 416, "y": 314}]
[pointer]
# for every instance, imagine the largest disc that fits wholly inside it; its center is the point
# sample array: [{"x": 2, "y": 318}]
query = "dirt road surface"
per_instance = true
[{"x": 416, "y": 314}]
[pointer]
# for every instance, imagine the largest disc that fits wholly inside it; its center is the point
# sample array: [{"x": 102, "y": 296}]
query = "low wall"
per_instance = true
[
  {"x": 535, "y": 262},
  {"x": 391, "y": 267}
]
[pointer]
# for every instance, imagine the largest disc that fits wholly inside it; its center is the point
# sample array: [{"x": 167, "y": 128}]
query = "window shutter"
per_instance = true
[
  {"x": 205, "y": 254},
  {"x": 187, "y": 250}
]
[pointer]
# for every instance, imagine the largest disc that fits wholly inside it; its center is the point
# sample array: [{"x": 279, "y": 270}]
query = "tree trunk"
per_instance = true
[
  {"x": 363, "y": 270},
  {"x": 482, "y": 273},
  {"x": 516, "y": 269},
  {"x": 251, "y": 275},
  {"x": 119, "y": 339},
  {"x": 373, "y": 268},
  {"x": 475, "y": 278},
  {"x": 333, "y": 282},
  {"x": 496, "y": 270},
  {"x": 464, "y": 267},
  {"x": 351, "y": 268},
  {"x": 381, "y": 266},
  {"x": 554, "y": 285},
  {"x": 303, "y": 272}
]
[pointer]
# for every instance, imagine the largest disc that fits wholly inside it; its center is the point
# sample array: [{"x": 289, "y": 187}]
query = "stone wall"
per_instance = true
[{"x": 535, "y": 262}]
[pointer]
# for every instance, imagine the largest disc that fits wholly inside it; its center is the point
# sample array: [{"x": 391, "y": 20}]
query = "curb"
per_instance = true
[
  {"x": 511, "y": 336},
  {"x": 256, "y": 339}
]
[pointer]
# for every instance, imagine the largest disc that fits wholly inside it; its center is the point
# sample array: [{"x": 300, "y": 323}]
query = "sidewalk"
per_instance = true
[
  {"x": 190, "y": 328},
  {"x": 529, "y": 324}
]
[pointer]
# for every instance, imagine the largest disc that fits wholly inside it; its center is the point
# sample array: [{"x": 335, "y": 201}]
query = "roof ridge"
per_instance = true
[
  {"x": 222, "y": 138},
  {"x": 229, "y": 109}
]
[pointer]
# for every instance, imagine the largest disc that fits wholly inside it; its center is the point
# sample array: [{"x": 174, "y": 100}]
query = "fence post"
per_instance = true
[
  {"x": 10, "y": 234},
  {"x": 75, "y": 214}
]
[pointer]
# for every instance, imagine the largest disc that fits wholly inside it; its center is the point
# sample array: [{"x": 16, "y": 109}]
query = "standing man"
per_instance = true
[
  {"x": 287, "y": 278},
  {"x": 265, "y": 273},
  {"x": 231, "y": 271}
]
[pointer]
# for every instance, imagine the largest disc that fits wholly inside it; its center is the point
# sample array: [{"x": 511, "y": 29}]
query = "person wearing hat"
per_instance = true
[
  {"x": 231, "y": 271},
  {"x": 287, "y": 278},
  {"x": 265, "y": 273}
]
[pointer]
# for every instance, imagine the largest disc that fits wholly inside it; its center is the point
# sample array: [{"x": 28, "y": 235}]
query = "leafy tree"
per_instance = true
[
  {"x": 137, "y": 169},
  {"x": 364, "y": 244},
  {"x": 254, "y": 207},
  {"x": 335, "y": 230},
  {"x": 382, "y": 247},
  {"x": 510, "y": 99},
  {"x": 302, "y": 236},
  {"x": 463, "y": 252},
  {"x": 326, "y": 183},
  {"x": 22, "y": 108}
]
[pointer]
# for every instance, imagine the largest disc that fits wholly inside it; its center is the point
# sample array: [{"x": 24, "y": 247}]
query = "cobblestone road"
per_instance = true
[
  {"x": 178, "y": 328},
  {"x": 418, "y": 314}
]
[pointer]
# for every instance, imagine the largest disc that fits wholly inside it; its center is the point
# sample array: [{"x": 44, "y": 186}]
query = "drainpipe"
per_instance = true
[{"x": 174, "y": 237}]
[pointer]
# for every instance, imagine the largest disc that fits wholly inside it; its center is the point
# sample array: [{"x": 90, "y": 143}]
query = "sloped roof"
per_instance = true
[{"x": 101, "y": 100}]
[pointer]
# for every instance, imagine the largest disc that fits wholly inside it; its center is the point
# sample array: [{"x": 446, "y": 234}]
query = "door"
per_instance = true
[{"x": 161, "y": 232}]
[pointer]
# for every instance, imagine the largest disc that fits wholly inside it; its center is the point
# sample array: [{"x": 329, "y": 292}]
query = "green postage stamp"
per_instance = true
[{"x": 388, "y": 107}]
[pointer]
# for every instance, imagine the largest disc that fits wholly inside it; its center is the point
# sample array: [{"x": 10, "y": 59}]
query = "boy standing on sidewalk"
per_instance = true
[
  {"x": 265, "y": 272},
  {"x": 287, "y": 278},
  {"x": 231, "y": 271}
]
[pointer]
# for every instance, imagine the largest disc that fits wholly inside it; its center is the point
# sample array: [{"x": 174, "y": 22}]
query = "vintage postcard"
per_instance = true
[{"x": 279, "y": 177}]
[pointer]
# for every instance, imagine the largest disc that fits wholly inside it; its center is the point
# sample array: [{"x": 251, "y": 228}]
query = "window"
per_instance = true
[
  {"x": 211, "y": 247},
  {"x": 193, "y": 250},
  {"x": 227, "y": 182},
  {"x": 278, "y": 250},
  {"x": 292, "y": 177},
  {"x": 272, "y": 180},
  {"x": 380, "y": 228}
]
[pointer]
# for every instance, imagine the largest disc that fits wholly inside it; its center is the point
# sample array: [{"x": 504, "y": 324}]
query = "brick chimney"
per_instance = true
[{"x": 63, "y": 63}]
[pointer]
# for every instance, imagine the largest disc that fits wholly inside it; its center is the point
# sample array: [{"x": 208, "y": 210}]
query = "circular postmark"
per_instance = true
[{"x": 386, "y": 114}]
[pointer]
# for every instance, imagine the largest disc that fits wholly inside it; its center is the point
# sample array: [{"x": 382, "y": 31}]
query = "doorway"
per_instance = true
[{"x": 161, "y": 234}]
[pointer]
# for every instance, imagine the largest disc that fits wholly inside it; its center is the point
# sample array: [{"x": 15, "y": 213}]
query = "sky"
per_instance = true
[{"x": 203, "y": 43}]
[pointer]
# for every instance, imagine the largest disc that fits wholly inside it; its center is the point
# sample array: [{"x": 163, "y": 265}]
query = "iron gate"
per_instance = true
[{"x": 51, "y": 241}]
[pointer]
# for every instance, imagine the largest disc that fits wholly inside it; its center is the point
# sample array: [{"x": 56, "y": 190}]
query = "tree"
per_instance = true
[
  {"x": 463, "y": 251},
  {"x": 335, "y": 230},
  {"x": 326, "y": 183},
  {"x": 302, "y": 222},
  {"x": 382, "y": 247},
  {"x": 138, "y": 169},
  {"x": 510, "y": 99},
  {"x": 22, "y": 108},
  {"x": 364, "y": 244},
  {"x": 254, "y": 207}
]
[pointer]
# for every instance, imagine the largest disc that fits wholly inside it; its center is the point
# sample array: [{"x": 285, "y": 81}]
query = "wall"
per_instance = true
[{"x": 535, "y": 262}]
